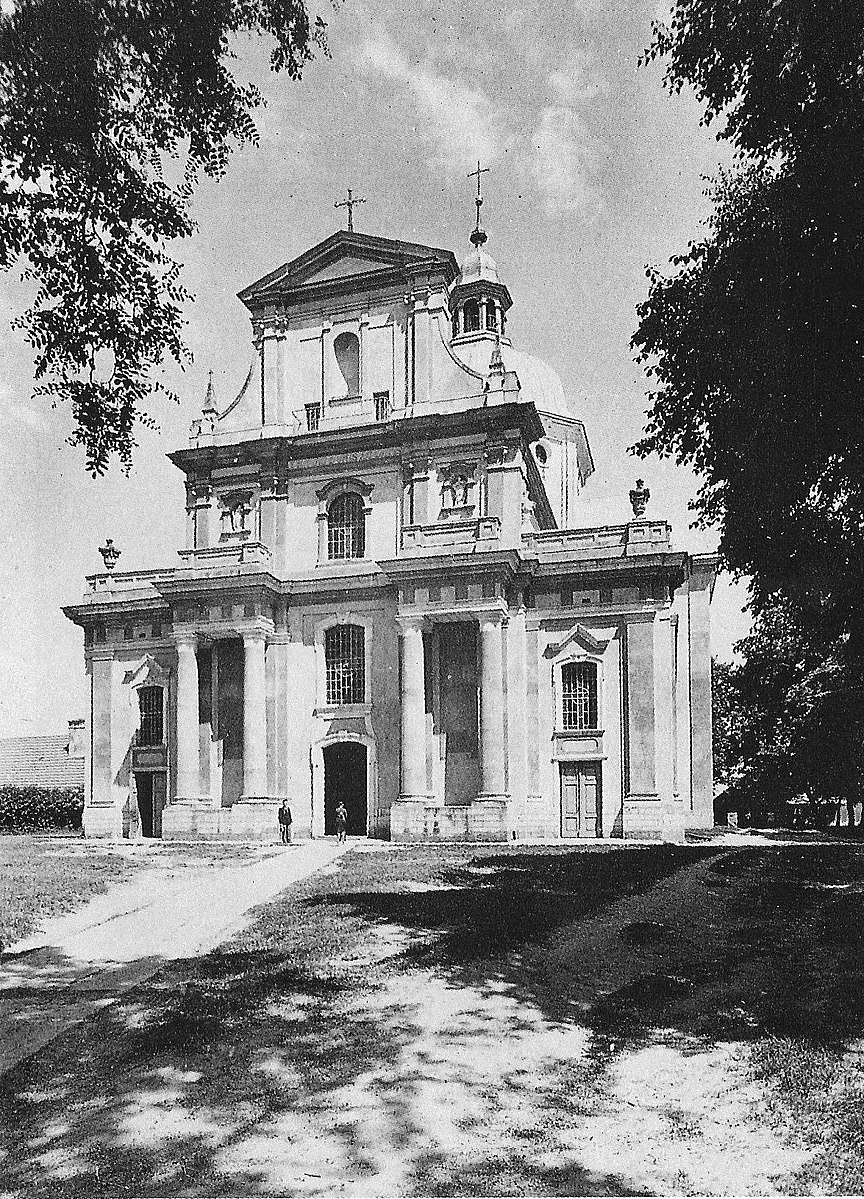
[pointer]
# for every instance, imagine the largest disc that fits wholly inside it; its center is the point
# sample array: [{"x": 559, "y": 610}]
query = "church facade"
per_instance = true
[{"x": 386, "y": 598}]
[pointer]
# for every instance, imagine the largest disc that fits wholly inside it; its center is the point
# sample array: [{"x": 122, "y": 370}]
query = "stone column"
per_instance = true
[
  {"x": 254, "y": 716},
  {"x": 492, "y": 708},
  {"x": 413, "y": 713},
  {"x": 188, "y": 767}
]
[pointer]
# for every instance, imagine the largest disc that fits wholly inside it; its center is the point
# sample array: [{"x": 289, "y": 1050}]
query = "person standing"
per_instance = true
[
  {"x": 285, "y": 823},
  {"x": 341, "y": 821}
]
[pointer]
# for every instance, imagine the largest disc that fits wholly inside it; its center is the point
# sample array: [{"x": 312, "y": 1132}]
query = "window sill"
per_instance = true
[
  {"x": 329, "y": 711},
  {"x": 576, "y": 733}
]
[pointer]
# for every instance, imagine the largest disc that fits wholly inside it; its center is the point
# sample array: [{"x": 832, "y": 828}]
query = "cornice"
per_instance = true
[{"x": 398, "y": 434}]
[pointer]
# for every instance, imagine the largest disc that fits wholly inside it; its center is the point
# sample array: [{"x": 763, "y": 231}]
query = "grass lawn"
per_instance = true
[
  {"x": 460, "y": 1021},
  {"x": 42, "y": 876}
]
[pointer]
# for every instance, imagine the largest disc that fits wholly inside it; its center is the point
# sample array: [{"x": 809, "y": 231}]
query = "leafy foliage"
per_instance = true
[
  {"x": 789, "y": 720},
  {"x": 111, "y": 110},
  {"x": 26, "y": 809},
  {"x": 753, "y": 343}
]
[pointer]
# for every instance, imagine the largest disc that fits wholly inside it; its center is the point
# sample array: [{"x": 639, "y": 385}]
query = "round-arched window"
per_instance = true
[
  {"x": 346, "y": 527},
  {"x": 471, "y": 316},
  {"x": 346, "y": 347}
]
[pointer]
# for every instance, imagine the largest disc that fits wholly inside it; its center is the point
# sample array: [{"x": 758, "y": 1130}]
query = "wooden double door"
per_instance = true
[{"x": 581, "y": 801}]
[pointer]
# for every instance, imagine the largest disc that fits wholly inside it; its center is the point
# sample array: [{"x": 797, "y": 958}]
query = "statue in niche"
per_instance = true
[
  {"x": 456, "y": 488},
  {"x": 234, "y": 514}
]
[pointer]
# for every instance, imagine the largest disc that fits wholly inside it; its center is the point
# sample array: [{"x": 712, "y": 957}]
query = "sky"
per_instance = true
[{"x": 595, "y": 172}]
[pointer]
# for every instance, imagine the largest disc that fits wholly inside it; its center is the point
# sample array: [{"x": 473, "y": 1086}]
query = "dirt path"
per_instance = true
[
  {"x": 489, "y": 1094},
  {"x": 83, "y": 960}
]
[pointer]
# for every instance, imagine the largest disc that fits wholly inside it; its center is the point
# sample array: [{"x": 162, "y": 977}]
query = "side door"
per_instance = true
[
  {"x": 569, "y": 800},
  {"x": 589, "y": 799}
]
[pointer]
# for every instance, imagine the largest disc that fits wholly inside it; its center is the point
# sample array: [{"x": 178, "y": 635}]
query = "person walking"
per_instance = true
[
  {"x": 341, "y": 822},
  {"x": 285, "y": 823}
]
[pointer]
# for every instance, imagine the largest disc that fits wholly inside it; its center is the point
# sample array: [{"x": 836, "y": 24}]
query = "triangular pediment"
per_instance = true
[
  {"x": 577, "y": 638},
  {"x": 345, "y": 256}
]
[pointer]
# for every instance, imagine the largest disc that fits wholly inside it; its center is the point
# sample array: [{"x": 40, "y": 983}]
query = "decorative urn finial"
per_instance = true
[
  {"x": 639, "y": 497},
  {"x": 110, "y": 554}
]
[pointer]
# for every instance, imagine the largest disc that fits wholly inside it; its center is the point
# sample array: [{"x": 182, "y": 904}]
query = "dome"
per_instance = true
[
  {"x": 539, "y": 382},
  {"x": 479, "y": 265}
]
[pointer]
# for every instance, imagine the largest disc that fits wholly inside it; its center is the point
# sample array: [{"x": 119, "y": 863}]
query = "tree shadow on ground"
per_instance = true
[
  {"x": 234, "y": 1057},
  {"x": 747, "y": 942}
]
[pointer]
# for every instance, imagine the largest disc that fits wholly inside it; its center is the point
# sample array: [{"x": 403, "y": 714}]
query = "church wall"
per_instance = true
[
  {"x": 109, "y": 792},
  {"x": 305, "y": 544},
  {"x": 309, "y": 728}
]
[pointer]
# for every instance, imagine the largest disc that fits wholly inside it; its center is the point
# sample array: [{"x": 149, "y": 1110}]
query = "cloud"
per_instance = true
[
  {"x": 564, "y": 151},
  {"x": 460, "y": 121}
]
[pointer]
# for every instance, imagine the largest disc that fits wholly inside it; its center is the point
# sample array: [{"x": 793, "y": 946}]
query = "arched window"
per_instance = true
[
  {"x": 471, "y": 316},
  {"x": 491, "y": 313},
  {"x": 346, "y": 527},
  {"x": 345, "y": 663},
  {"x": 151, "y": 729},
  {"x": 346, "y": 347},
  {"x": 579, "y": 695}
]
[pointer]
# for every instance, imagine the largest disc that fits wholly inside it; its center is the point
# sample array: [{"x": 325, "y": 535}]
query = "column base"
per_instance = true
[
  {"x": 250, "y": 819},
  {"x": 415, "y": 818},
  {"x": 487, "y": 818},
  {"x": 649, "y": 818},
  {"x": 103, "y": 820}
]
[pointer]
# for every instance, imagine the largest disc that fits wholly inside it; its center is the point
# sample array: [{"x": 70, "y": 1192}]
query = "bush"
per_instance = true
[{"x": 25, "y": 809}]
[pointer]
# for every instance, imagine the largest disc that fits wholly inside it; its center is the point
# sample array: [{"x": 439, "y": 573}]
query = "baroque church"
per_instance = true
[{"x": 387, "y": 599}]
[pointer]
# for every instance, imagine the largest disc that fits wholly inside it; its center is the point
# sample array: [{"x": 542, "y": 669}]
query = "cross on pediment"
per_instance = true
[{"x": 349, "y": 203}]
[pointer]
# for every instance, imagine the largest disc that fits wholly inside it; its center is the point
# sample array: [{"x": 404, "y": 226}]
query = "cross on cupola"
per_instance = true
[
  {"x": 349, "y": 203},
  {"x": 478, "y": 299},
  {"x": 478, "y": 237}
]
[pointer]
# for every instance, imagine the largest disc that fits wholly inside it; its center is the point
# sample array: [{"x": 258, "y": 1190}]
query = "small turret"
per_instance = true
[{"x": 479, "y": 301}]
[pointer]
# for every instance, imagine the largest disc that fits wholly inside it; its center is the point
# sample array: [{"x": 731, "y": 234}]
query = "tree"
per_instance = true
[
  {"x": 789, "y": 718},
  {"x": 754, "y": 341},
  {"x": 111, "y": 111}
]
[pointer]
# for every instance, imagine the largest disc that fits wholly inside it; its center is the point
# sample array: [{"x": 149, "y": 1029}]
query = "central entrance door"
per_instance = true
[
  {"x": 580, "y": 800},
  {"x": 345, "y": 782}
]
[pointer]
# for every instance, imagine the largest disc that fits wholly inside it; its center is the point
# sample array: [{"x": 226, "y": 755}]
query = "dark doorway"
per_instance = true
[
  {"x": 345, "y": 782},
  {"x": 150, "y": 790}
]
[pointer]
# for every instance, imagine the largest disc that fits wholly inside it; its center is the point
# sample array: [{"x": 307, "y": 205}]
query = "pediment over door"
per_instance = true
[{"x": 578, "y": 638}]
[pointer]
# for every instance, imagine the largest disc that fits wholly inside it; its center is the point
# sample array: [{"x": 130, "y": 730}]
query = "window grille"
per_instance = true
[
  {"x": 313, "y": 417},
  {"x": 491, "y": 313},
  {"x": 382, "y": 405},
  {"x": 579, "y": 695},
  {"x": 345, "y": 659},
  {"x": 150, "y": 724},
  {"x": 346, "y": 527}
]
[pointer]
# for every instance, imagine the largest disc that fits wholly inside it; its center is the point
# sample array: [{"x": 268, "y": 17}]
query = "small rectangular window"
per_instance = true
[
  {"x": 382, "y": 405},
  {"x": 579, "y": 695},
  {"x": 151, "y": 724},
  {"x": 313, "y": 417}
]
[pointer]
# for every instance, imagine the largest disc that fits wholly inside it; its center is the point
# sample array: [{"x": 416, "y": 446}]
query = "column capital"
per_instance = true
[
  {"x": 252, "y": 635},
  {"x": 185, "y": 638},
  {"x": 411, "y": 624}
]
